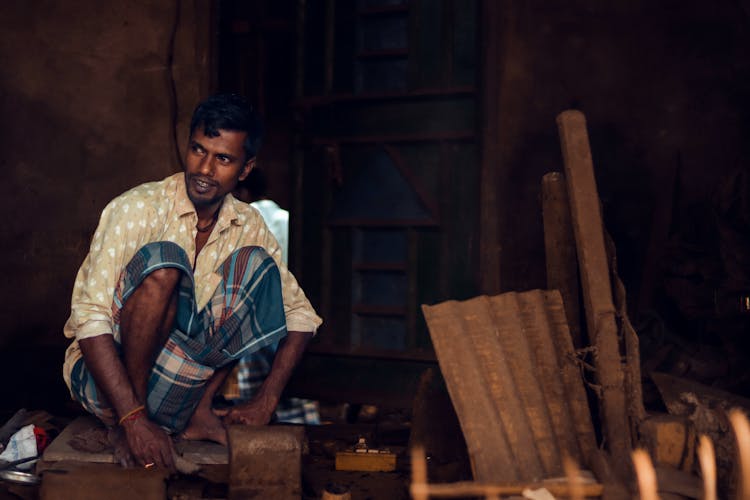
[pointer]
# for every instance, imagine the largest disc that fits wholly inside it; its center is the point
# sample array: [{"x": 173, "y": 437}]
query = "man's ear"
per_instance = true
[{"x": 247, "y": 168}]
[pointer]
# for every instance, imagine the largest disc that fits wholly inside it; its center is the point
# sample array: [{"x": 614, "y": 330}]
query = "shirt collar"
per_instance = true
[{"x": 183, "y": 205}]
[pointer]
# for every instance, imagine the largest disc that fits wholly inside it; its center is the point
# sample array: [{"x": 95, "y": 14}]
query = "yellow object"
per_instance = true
[{"x": 371, "y": 460}]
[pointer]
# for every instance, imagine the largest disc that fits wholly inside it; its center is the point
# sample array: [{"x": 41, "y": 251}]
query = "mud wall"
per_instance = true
[{"x": 91, "y": 94}]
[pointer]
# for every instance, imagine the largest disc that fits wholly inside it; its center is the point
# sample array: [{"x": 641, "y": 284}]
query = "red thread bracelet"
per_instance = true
[{"x": 133, "y": 414}]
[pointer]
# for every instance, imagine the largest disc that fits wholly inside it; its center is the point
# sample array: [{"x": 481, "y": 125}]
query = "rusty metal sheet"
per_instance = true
[
  {"x": 487, "y": 444},
  {"x": 508, "y": 364},
  {"x": 499, "y": 374},
  {"x": 538, "y": 332},
  {"x": 570, "y": 374}
]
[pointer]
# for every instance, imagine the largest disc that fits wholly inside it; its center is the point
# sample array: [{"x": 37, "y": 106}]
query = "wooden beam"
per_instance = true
[
  {"x": 491, "y": 22},
  {"x": 597, "y": 290},
  {"x": 560, "y": 250}
]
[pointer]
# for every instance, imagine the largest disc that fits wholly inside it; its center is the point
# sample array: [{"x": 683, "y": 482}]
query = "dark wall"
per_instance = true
[
  {"x": 664, "y": 88},
  {"x": 88, "y": 111}
]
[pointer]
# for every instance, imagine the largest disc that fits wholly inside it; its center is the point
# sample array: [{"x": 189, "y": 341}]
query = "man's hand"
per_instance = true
[
  {"x": 257, "y": 411},
  {"x": 149, "y": 443}
]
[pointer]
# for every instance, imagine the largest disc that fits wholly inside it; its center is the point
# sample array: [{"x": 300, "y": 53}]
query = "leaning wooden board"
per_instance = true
[{"x": 597, "y": 290}]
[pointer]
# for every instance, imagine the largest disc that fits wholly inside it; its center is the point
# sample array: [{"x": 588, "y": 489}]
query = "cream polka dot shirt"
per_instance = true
[{"x": 162, "y": 211}]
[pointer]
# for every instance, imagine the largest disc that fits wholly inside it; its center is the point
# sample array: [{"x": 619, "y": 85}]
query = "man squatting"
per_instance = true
[{"x": 181, "y": 280}]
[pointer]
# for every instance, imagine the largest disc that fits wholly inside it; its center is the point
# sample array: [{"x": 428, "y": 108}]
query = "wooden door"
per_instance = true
[{"x": 387, "y": 173}]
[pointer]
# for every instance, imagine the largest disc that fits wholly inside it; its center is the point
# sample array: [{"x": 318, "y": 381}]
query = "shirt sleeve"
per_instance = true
[{"x": 122, "y": 230}]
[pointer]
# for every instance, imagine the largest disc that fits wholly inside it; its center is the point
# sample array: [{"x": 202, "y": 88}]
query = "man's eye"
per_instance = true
[
  {"x": 196, "y": 149},
  {"x": 223, "y": 159}
]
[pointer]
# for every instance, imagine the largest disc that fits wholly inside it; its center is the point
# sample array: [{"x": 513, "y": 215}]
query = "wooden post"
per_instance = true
[
  {"x": 491, "y": 166},
  {"x": 597, "y": 290},
  {"x": 560, "y": 250}
]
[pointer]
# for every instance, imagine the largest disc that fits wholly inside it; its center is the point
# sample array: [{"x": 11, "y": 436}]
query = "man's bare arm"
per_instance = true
[
  {"x": 259, "y": 410},
  {"x": 147, "y": 441}
]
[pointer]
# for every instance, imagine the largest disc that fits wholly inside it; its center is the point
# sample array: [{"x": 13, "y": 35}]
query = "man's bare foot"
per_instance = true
[
  {"x": 205, "y": 425},
  {"x": 119, "y": 442}
]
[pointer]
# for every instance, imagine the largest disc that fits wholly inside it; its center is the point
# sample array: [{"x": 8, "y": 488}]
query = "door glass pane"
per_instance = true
[
  {"x": 379, "y": 245},
  {"x": 378, "y": 332},
  {"x": 383, "y": 33},
  {"x": 382, "y": 3},
  {"x": 381, "y": 75},
  {"x": 373, "y": 189},
  {"x": 379, "y": 288}
]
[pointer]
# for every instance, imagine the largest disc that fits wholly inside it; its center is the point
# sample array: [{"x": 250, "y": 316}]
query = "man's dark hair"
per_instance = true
[{"x": 229, "y": 112}]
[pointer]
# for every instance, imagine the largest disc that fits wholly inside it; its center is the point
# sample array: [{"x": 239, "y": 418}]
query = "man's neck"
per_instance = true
[{"x": 208, "y": 214}]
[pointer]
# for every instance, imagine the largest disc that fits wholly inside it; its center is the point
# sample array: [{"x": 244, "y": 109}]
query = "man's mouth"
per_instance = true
[{"x": 202, "y": 185}]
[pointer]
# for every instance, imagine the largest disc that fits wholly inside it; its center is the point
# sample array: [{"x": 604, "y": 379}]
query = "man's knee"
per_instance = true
[
  {"x": 165, "y": 278},
  {"x": 251, "y": 251},
  {"x": 157, "y": 289}
]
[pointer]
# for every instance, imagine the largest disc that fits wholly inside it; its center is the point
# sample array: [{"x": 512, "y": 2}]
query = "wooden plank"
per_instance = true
[
  {"x": 75, "y": 480},
  {"x": 500, "y": 380},
  {"x": 523, "y": 365},
  {"x": 707, "y": 408},
  {"x": 560, "y": 250},
  {"x": 465, "y": 489},
  {"x": 197, "y": 452},
  {"x": 487, "y": 444},
  {"x": 570, "y": 373},
  {"x": 670, "y": 439},
  {"x": 59, "y": 449},
  {"x": 538, "y": 330},
  {"x": 597, "y": 290},
  {"x": 682, "y": 395},
  {"x": 633, "y": 384}
]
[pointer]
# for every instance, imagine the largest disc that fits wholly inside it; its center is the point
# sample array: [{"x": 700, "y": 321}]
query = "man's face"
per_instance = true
[{"x": 213, "y": 166}]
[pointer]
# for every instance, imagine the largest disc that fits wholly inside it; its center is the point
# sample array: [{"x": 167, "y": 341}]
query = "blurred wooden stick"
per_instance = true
[
  {"x": 418, "y": 474},
  {"x": 742, "y": 434},
  {"x": 707, "y": 459},
  {"x": 644, "y": 469},
  {"x": 574, "y": 478}
]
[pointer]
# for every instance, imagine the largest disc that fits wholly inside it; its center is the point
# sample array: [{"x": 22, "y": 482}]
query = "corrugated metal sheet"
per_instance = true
[{"x": 509, "y": 365}]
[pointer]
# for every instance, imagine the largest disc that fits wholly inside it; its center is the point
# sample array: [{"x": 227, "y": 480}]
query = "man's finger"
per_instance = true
[{"x": 167, "y": 454}]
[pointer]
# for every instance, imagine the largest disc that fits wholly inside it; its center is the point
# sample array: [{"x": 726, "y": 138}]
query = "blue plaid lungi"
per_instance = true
[
  {"x": 244, "y": 315},
  {"x": 252, "y": 371}
]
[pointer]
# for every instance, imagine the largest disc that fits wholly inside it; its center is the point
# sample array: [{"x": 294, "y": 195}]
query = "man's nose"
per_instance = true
[{"x": 206, "y": 166}]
